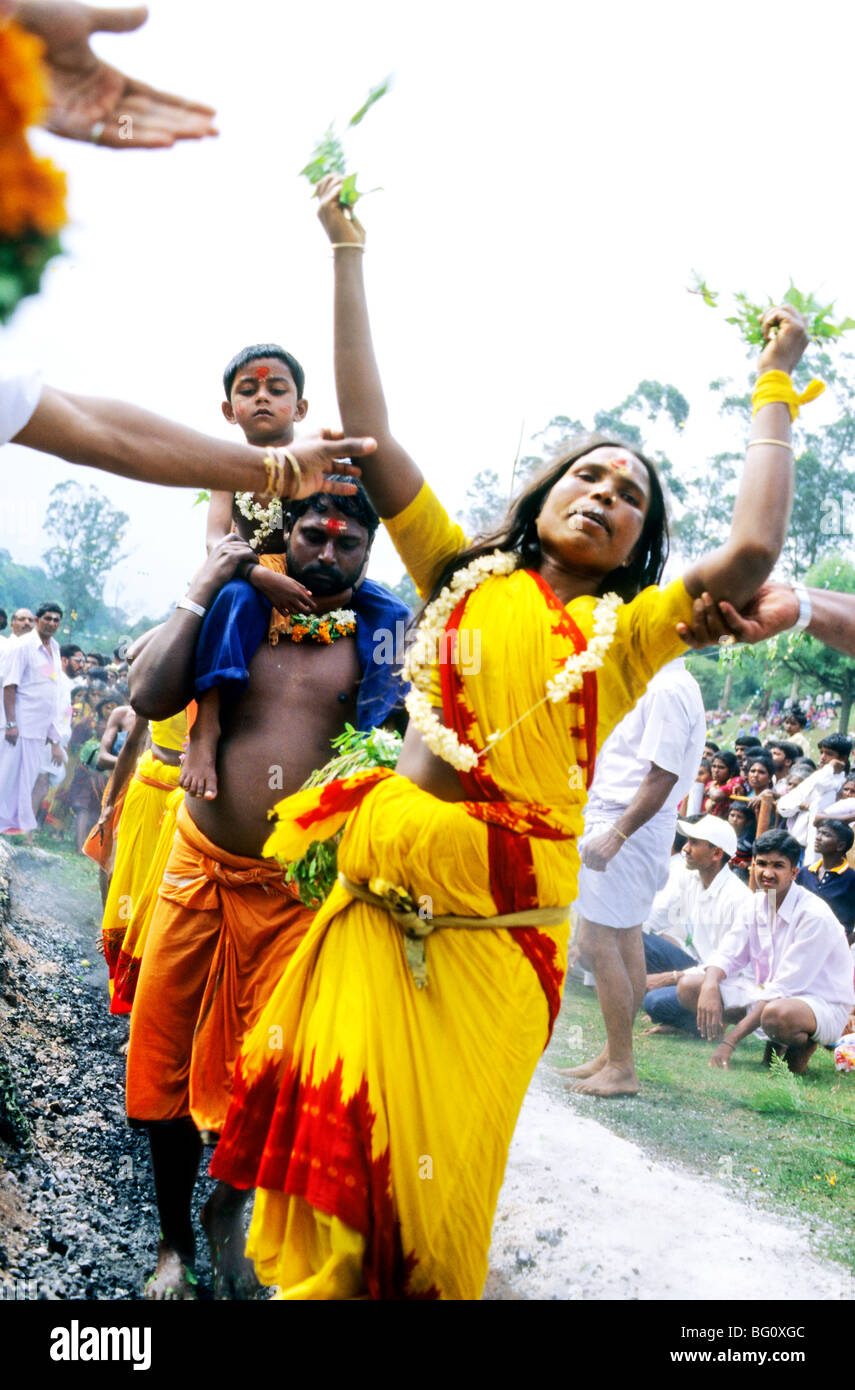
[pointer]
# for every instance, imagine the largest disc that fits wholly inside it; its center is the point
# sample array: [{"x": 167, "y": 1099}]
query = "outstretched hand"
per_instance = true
[
  {"x": 339, "y": 223},
  {"x": 318, "y": 458},
  {"x": 91, "y": 100},
  {"x": 773, "y": 609}
]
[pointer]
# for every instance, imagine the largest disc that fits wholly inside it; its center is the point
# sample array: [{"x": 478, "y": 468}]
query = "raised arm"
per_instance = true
[
  {"x": 121, "y": 438},
  {"x": 390, "y": 476},
  {"x": 762, "y": 509}
]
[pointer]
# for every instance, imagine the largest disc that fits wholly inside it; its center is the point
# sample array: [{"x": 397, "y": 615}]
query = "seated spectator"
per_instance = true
[
  {"x": 819, "y": 790},
  {"x": 745, "y": 824},
  {"x": 801, "y": 992},
  {"x": 844, "y": 809},
  {"x": 830, "y": 877},
  {"x": 724, "y": 782},
  {"x": 795, "y": 721},
  {"x": 759, "y": 779},
  {"x": 694, "y": 797},
  {"x": 784, "y": 755},
  {"x": 694, "y": 910}
]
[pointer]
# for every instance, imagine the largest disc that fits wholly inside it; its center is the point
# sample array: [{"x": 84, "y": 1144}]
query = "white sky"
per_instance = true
[{"x": 552, "y": 175}]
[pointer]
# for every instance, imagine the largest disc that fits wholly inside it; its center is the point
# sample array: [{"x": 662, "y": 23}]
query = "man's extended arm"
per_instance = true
[
  {"x": 650, "y": 798},
  {"x": 773, "y": 609},
  {"x": 121, "y": 438}
]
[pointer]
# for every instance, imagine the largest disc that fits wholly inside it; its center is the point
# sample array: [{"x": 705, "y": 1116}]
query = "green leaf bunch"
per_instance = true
[
  {"x": 328, "y": 156},
  {"x": 748, "y": 315},
  {"x": 356, "y": 751}
]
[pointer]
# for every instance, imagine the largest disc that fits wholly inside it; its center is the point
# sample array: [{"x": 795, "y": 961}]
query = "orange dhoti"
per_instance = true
[{"x": 224, "y": 929}]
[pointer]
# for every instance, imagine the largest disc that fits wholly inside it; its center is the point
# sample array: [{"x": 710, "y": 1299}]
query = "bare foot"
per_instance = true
[
  {"x": 587, "y": 1068},
  {"x": 659, "y": 1029},
  {"x": 198, "y": 774},
  {"x": 798, "y": 1057},
  {"x": 234, "y": 1274},
  {"x": 611, "y": 1081},
  {"x": 173, "y": 1279}
]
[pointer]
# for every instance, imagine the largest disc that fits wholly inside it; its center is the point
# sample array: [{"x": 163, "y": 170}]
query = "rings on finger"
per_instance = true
[{"x": 97, "y": 131}]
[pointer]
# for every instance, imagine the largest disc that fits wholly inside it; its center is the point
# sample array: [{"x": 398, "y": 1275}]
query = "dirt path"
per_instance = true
[{"x": 583, "y": 1214}]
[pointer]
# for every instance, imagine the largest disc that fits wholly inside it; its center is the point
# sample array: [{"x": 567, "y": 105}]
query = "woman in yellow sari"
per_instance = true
[{"x": 378, "y": 1093}]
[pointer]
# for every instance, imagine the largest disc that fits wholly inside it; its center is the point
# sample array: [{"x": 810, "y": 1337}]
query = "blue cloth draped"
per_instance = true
[{"x": 237, "y": 622}]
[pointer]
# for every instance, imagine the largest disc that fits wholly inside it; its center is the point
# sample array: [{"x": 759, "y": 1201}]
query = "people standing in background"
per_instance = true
[{"x": 31, "y": 705}]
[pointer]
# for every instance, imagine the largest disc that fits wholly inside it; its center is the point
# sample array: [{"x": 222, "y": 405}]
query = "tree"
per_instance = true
[
  {"x": 824, "y": 668},
  {"x": 21, "y": 586},
  {"x": 87, "y": 534}
]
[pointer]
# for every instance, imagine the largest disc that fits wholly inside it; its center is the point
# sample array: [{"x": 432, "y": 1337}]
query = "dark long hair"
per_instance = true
[{"x": 518, "y": 531}]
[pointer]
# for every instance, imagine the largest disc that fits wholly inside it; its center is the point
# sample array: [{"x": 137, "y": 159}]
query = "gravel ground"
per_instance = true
[
  {"x": 583, "y": 1214},
  {"x": 77, "y": 1215}
]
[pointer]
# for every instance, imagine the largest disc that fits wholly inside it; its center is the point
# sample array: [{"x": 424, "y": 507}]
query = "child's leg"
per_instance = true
[
  {"x": 234, "y": 628},
  {"x": 199, "y": 768}
]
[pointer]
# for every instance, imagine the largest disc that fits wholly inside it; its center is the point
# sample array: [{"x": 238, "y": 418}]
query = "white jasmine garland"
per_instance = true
[
  {"x": 431, "y": 632},
  {"x": 268, "y": 516}
]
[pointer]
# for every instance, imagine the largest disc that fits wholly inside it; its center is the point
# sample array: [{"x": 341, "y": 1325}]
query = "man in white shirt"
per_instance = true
[
  {"x": 644, "y": 770},
  {"x": 23, "y": 622},
  {"x": 817, "y": 792},
  {"x": 796, "y": 949},
  {"x": 689, "y": 918},
  {"x": 31, "y": 705}
]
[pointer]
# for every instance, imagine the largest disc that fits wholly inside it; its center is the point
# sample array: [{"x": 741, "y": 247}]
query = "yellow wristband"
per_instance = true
[{"x": 776, "y": 387}]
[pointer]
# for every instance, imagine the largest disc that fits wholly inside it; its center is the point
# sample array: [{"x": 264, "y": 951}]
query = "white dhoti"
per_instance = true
[
  {"x": 622, "y": 896},
  {"x": 20, "y": 765}
]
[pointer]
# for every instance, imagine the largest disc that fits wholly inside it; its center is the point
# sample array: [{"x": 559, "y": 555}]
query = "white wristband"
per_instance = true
[
  {"x": 192, "y": 607},
  {"x": 805, "y": 608}
]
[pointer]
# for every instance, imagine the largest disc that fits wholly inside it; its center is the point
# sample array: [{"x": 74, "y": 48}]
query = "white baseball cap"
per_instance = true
[{"x": 715, "y": 830}]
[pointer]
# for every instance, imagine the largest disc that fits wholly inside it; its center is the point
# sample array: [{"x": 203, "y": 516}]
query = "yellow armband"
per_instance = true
[{"x": 774, "y": 387}]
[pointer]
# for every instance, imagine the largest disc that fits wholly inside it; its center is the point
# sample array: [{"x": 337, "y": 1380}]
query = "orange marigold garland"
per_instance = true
[{"x": 32, "y": 190}]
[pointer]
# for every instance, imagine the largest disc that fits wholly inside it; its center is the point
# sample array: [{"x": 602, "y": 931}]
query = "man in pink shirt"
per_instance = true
[{"x": 797, "y": 950}]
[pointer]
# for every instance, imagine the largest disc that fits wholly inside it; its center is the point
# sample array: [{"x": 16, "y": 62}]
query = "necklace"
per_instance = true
[
  {"x": 428, "y": 644},
  {"x": 268, "y": 518},
  {"x": 324, "y": 627}
]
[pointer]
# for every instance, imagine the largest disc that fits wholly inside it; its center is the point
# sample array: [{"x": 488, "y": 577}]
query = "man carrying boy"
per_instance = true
[
  {"x": 227, "y": 921},
  {"x": 797, "y": 950}
]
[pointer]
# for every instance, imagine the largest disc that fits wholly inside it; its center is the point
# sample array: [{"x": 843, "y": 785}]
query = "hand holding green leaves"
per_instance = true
[
  {"x": 328, "y": 156},
  {"x": 748, "y": 316}
]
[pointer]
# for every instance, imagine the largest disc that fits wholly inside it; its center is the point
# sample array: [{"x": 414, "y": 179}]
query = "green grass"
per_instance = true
[{"x": 786, "y": 1141}]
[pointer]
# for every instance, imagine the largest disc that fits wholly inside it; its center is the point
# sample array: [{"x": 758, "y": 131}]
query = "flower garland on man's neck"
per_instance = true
[
  {"x": 269, "y": 517},
  {"x": 423, "y": 654}
]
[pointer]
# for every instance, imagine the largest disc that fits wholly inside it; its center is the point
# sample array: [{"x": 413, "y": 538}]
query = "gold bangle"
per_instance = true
[
  {"x": 620, "y": 832},
  {"x": 347, "y": 245},
  {"x": 275, "y": 474},
  {"x": 296, "y": 472},
  {"x": 781, "y": 443}
]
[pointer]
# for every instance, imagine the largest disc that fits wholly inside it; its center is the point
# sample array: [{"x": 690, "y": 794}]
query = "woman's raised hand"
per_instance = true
[
  {"x": 786, "y": 335},
  {"x": 338, "y": 222}
]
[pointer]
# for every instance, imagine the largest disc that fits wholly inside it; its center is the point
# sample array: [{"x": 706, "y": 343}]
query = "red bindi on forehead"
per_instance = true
[
  {"x": 333, "y": 526},
  {"x": 619, "y": 465},
  {"x": 262, "y": 373}
]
